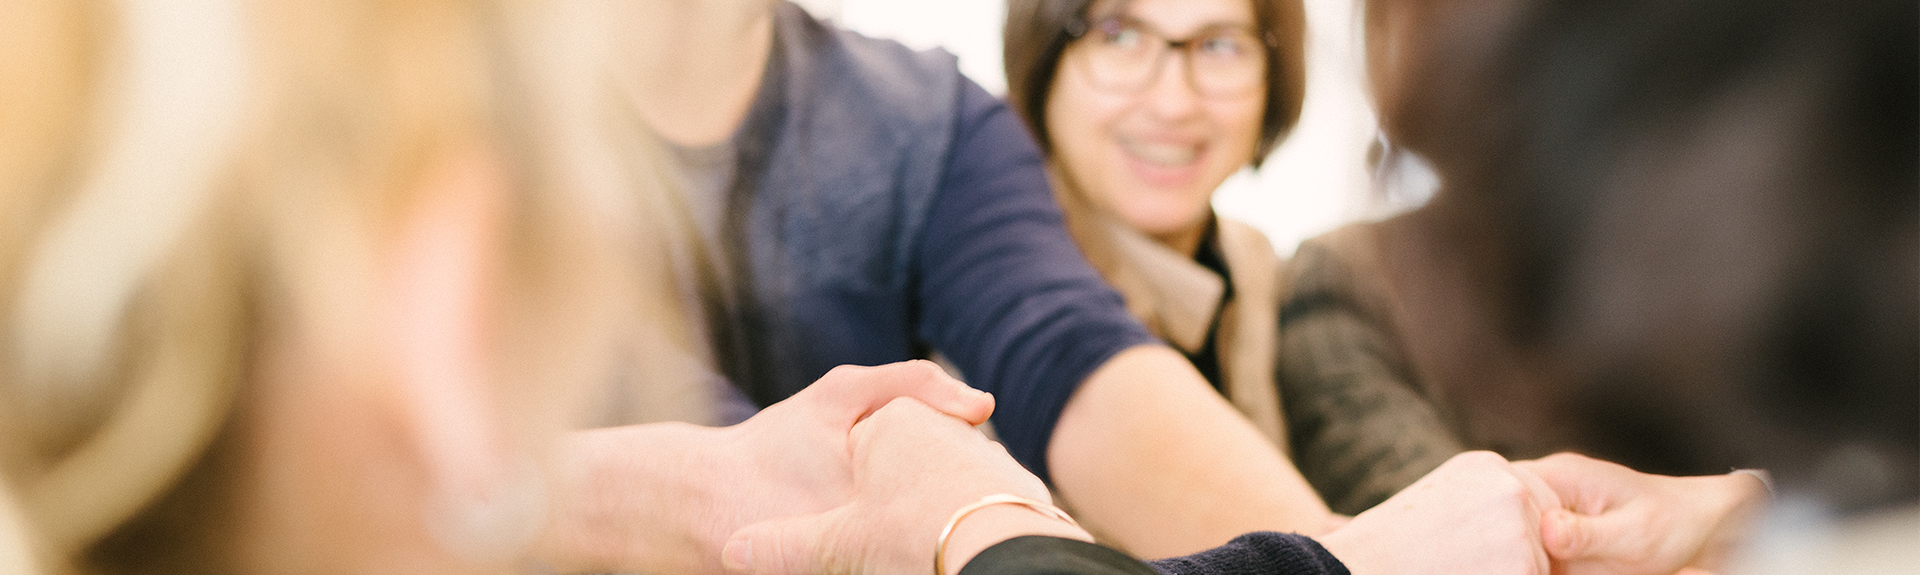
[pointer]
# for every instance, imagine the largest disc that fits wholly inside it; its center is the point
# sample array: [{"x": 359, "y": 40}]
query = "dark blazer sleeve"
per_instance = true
[
  {"x": 1004, "y": 291},
  {"x": 1262, "y": 552},
  {"x": 1037, "y": 555}
]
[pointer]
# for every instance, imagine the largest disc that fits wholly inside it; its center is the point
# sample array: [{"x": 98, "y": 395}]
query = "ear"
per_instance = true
[
  {"x": 16, "y": 549},
  {"x": 483, "y": 499}
]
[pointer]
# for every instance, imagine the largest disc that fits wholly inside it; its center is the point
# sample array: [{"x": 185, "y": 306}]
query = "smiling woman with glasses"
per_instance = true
[{"x": 1143, "y": 108}]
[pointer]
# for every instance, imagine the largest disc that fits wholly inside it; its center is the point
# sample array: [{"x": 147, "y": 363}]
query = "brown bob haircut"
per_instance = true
[{"x": 1037, "y": 34}]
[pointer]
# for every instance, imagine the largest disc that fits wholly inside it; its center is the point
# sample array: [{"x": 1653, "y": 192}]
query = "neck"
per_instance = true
[
  {"x": 1186, "y": 241},
  {"x": 694, "y": 66}
]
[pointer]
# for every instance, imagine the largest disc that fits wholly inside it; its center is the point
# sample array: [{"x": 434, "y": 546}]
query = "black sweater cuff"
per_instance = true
[
  {"x": 1040, "y": 555},
  {"x": 1263, "y": 552},
  {"x": 1258, "y": 552}
]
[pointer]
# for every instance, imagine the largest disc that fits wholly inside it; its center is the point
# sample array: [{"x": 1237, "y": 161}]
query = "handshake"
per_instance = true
[{"x": 863, "y": 471}]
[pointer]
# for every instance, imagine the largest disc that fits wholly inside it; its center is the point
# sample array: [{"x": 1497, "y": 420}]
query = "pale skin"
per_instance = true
[
  {"x": 663, "y": 498},
  {"x": 1153, "y": 157},
  {"x": 1476, "y": 514},
  {"x": 374, "y": 418},
  {"x": 1614, "y": 520},
  {"x": 893, "y": 520}
]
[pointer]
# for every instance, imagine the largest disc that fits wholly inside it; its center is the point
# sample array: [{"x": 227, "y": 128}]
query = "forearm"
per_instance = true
[{"x": 1150, "y": 456}]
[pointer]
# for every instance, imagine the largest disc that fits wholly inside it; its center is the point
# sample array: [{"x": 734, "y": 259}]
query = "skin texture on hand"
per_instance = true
[
  {"x": 1615, "y": 520},
  {"x": 663, "y": 498},
  {"x": 1153, "y": 459},
  {"x": 1475, "y": 514},
  {"x": 913, "y": 468}
]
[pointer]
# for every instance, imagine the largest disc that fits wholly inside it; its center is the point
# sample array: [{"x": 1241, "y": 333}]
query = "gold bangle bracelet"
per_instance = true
[{"x": 940, "y": 547}]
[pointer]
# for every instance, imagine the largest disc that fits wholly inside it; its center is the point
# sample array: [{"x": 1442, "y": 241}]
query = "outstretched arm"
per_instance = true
[
  {"x": 1619, "y": 521},
  {"x": 914, "y": 467},
  {"x": 1149, "y": 455}
]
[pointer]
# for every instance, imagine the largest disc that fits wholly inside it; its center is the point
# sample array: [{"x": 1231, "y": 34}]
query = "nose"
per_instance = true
[{"x": 1171, "y": 95}]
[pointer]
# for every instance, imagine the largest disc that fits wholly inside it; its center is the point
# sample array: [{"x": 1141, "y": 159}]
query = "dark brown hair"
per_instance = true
[
  {"x": 1701, "y": 217},
  {"x": 1037, "y": 35}
]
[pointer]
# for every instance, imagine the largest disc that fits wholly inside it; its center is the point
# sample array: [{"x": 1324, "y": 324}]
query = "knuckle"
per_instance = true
[
  {"x": 844, "y": 370},
  {"x": 1478, "y": 460},
  {"x": 922, "y": 366},
  {"x": 923, "y": 370},
  {"x": 1567, "y": 459}
]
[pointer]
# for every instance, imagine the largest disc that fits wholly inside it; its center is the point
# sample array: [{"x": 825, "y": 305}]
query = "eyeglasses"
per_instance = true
[{"x": 1125, "y": 55}]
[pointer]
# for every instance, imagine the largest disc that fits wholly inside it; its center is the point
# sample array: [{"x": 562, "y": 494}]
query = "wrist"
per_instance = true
[
  {"x": 585, "y": 525},
  {"x": 606, "y": 479},
  {"x": 987, "y": 526},
  {"x": 1359, "y": 559}
]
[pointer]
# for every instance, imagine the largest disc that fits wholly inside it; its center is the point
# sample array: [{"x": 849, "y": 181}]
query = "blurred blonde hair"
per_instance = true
[{"x": 176, "y": 175}]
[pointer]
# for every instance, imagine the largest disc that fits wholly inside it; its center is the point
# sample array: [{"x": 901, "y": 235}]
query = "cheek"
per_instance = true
[
  {"x": 332, "y": 482},
  {"x": 1239, "y": 125},
  {"x": 1079, "y": 121}
]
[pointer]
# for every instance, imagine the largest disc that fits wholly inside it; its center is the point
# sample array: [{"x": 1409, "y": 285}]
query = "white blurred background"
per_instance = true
[{"x": 1313, "y": 182}]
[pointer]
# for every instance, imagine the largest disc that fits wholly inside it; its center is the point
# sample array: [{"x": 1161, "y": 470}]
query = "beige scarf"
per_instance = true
[{"x": 1177, "y": 299}]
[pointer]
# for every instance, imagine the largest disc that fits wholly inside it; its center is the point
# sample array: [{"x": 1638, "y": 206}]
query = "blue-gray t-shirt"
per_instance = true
[{"x": 886, "y": 207}]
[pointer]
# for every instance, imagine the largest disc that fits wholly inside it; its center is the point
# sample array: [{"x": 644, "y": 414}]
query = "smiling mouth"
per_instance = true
[{"x": 1159, "y": 154}]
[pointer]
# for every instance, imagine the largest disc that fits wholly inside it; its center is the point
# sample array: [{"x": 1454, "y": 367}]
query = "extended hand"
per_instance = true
[
  {"x": 913, "y": 468},
  {"x": 1619, "y": 521},
  {"x": 1474, "y": 514}
]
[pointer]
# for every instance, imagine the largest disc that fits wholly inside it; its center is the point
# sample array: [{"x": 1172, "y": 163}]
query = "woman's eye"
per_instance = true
[
  {"x": 1226, "y": 46},
  {"x": 1121, "y": 36}
]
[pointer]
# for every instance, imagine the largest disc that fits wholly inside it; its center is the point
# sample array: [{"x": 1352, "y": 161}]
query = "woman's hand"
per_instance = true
[
  {"x": 1619, "y": 521},
  {"x": 663, "y": 498},
  {"x": 1474, "y": 514},
  {"x": 913, "y": 467}
]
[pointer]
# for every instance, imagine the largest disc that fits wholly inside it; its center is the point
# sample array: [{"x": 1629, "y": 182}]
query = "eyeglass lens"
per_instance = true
[{"x": 1125, "y": 55}]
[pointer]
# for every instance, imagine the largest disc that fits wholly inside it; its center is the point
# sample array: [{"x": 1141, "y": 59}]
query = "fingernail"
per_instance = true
[{"x": 737, "y": 556}]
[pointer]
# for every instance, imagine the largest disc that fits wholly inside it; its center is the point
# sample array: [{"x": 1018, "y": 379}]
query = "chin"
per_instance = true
[{"x": 1165, "y": 222}]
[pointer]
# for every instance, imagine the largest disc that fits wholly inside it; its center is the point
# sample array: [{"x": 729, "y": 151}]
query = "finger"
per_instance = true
[
  {"x": 1564, "y": 534},
  {"x": 1571, "y": 537},
  {"x": 1583, "y": 484},
  {"x": 784, "y": 546},
  {"x": 903, "y": 418},
  {"x": 1543, "y": 501},
  {"x": 850, "y": 393},
  {"x": 1544, "y": 497}
]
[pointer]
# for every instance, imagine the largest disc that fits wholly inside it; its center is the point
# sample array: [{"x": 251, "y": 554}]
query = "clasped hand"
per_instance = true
[{"x": 664, "y": 498}]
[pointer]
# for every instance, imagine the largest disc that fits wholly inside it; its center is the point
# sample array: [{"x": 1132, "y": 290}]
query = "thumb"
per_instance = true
[
  {"x": 1568, "y": 536},
  {"x": 784, "y": 546},
  {"x": 852, "y": 392}
]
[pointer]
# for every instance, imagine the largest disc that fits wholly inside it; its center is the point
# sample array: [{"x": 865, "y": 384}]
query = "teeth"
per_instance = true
[{"x": 1161, "y": 154}]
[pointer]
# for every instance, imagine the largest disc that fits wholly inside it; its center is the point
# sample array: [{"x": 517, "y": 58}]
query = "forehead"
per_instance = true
[{"x": 1178, "y": 17}]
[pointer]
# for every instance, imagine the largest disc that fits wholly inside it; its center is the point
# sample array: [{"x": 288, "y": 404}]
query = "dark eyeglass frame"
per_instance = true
[{"x": 1080, "y": 28}]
